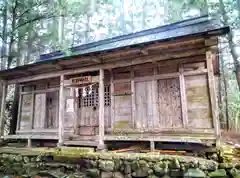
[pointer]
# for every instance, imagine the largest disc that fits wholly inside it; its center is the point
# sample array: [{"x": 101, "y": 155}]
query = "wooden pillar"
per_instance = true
[
  {"x": 152, "y": 146},
  {"x": 155, "y": 100},
  {"x": 19, "y": 107},
  {"x": 75, "y": 105},
  {"x": 183, "y": 97},
  {"x": 210, "y": 56},
  {"x": 3, "y": 106},
  {"x": 29, "y": 142},
  {"x": 133, "y": 99},
  {"x": 101, "y": 110},
  {"x": 32, "y": 107},
  {"x": 61, "y": 112},
  {"x": 112, "y": 101}
]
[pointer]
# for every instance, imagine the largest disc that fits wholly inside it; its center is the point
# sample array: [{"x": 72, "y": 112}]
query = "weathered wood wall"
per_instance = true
[
  {"x": 25, "y": 113},
  {"x": 168, "y": 91},
  {"x": 158, "y": 95},
  {"x": 39, "y": 105}
]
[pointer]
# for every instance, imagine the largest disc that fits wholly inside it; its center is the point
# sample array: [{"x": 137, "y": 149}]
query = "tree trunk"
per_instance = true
[
  {"x": 4, "y": 37},
  {"x": 61, "y": 31},
  {"x": 87, "y": 31},
  {"x": 4, "y": 44},
  {"x": 231, "y": 44},
  {"x": 204, "y": 9},
  {"x": 132, "y": 16},
  {"x": 29, "y": 46},
  {"x": 225, "y": 94},
  {"x": 14, "y": 109},
  {"x": 12, "y": 34},
  {"x": 74, "y": 31},
  {"x": 61, "y": 25},
  {"x": 122, "y": 18},
  {"x": 144, "y": 16},
  {"x": 91, "y": 9}
]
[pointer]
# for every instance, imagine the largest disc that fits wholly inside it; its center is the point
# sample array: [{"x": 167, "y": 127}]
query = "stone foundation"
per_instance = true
[{"x": 87, "y": 163}]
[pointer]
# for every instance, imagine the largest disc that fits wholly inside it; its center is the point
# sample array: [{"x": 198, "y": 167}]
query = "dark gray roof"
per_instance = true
[
  {"x": 182, "y": 28},
  {"x": 192, "y": 27}
]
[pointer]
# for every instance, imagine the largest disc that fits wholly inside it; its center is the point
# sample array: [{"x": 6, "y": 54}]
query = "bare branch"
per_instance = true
[{"x": 32, "y": 21}]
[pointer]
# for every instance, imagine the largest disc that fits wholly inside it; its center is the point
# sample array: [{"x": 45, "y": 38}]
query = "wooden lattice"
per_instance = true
[{"x": 91, "y": 100}]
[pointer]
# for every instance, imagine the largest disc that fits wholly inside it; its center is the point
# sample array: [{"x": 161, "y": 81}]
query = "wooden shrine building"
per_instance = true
[{"x": 154, "y": 85}]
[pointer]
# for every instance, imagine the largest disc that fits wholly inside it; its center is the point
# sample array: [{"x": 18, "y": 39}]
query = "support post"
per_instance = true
[
  {"x": 101, "y": 110},
  {"x": 152, "y": 146},
  {"x": 32, "y": 107},
  {"x": 29, "y": 142},
  {"x": 183, "y": 97},
  {"x": 3, "y": 106},
  {"x": 19, "y": 107},
  {"x": 213, "y": 94},
  {"x": 61, "y": 112},
  {"x": 156, "y": 115},
  {"x": 133, "y": 99},
  {"x": 112, "y": 101},
  {"x": 75, "y": 105}
]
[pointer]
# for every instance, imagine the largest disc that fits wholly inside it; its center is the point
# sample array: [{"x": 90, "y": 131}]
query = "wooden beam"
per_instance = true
[
  {"x": 3, "y": 107},
  {"x": 26, "y": 72},
  {"x": 162, "y": 138},
  {"x": 163, "y": 76},
  {"x": 144, "y": 52},
  {"x": 24, "y": 136},
  {"x": 101, "y": 109},
  {"x": 210, "y": 56},
  {"x": 41, "y": 91},
  {"x": 183, "y": 97},
  {"x": 168, "y": 131},
  {"x": 176, "y": 44},
  {"x": 58, "y": 66},
  {"x": 133, "y": 90},
  {"x": 120, "y": 63},
  {"x": 95, "y": 59},
  {"x": 38, "y": 131},
  {"x": 61, "y": 112},
  {"x": 157, "y": 46}
]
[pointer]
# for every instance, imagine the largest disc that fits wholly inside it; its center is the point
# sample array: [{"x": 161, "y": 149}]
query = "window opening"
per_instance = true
[{"x": 93, "y": 98}]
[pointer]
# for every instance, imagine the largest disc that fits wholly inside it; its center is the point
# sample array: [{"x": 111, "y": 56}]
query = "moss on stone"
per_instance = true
[
  {"x": 235, "y": 173},
  {"x": 219, "y": 173},
  {"x": 194, "y": 173}
]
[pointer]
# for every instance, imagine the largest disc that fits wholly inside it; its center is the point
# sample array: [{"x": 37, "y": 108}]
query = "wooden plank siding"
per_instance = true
[
  {"x": 38, "y": 107},
  {"x": 154, "y": 93}
]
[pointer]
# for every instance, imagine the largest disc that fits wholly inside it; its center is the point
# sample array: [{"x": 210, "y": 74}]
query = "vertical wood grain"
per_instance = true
[
  {"x": 75, "y": 110},
  {"x": 19, "y": 108},
  {"x": 61, "y": 111},
  {"x": 112, "y": 100},
  {"x": 169, "y": 103},
  {"x": 210, "y": 56},
  {"x": 32, "y": 108},
  {"x": 40, "y": 113},
  {"x": 183, "y": 97},
  {"x": 133, "y": 99},
  {"x": 101, "y": 108},
  {"x": 155, "y": 101}
]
